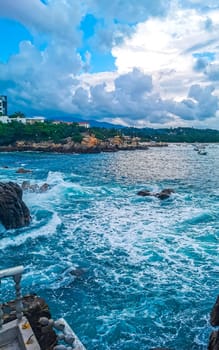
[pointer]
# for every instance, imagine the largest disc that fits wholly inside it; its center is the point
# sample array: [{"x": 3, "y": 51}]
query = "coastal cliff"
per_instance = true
[
  {"x": 87, "y": 146},
  {"x": 13, "y": 211}
]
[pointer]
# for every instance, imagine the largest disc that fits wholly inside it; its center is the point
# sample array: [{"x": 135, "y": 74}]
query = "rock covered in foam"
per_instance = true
[{"x": 13, "y": 211}]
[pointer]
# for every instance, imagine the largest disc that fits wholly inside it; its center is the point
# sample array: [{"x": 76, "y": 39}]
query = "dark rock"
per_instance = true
[
  {"x": 34, "y": 309},
  {"x": 45, "y": 187},
  {"x": 78, "y": 272},
  {"x": 164, "y": 194},
  {"x": 214, "y": 316},
  {"x": 144, "y": 193},
  {"x": 13, "y": 211},
  {"x": 214, "y": 341},
  {"x": 23, "y": 171},
  {"x": 26, "y": 186}
]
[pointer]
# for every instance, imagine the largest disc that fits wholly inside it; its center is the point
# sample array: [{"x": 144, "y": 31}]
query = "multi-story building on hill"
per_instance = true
[{"x": 3, "y": 105}]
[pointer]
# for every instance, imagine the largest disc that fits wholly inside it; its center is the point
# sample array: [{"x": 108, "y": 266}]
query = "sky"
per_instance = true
[{"x": 144, "y": 63}]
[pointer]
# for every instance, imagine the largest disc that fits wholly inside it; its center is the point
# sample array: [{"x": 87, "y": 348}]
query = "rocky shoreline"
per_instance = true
[{"x": 71, "y": 147}]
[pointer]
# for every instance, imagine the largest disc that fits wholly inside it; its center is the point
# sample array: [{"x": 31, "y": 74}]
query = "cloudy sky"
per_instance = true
[{"x": 139, "y": 63}]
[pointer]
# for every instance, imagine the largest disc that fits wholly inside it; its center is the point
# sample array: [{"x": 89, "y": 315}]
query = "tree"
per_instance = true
[{"x": 17, "y": 115}]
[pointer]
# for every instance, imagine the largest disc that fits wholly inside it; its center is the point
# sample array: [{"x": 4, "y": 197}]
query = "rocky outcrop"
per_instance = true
[
  {"x": 34, "y": 308},
  {"x": 214, "y": 320},
  {"x": 164, "y": 194},
  {"x": 13, "y": 211},
  {"x": 23, "y": 171},
  {"x": 89, "y": 144},
  {"x": 27, "y": 186}
]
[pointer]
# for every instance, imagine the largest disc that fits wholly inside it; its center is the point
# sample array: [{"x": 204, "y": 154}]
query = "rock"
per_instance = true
[
  {"x": 145, "y": 193},
  {"x": 164, "y": 194},
  {"x": 13, "y": 211},
  {"x": 214, "y": 341},
  {"x": 214, "y": 320},
  {"x": 23, "y": 171},
  {"x": 34, "y": 308},
  {"x": 26, "y": 186},
  {"x": 45, "y": 187},
  {"x": 214, "y": 316},
  {"x": 78, "y": 272}
]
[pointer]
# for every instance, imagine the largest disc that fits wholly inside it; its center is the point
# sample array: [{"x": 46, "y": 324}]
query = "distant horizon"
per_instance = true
[
  {"x": 148, "y": 64},
  {"x": 97, "y": 123}
]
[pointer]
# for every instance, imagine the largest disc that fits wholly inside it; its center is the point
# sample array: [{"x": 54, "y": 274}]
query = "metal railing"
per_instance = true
[{"x": 16, "y": 274}]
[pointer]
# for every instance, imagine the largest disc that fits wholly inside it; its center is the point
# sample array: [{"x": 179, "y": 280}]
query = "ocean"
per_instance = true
[{"x": 127, "y": 272}]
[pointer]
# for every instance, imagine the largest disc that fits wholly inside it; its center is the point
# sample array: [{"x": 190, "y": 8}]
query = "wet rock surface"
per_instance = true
[
  {"x": 164, "y": 194},
  {"x": 214, "y": 320},
  {"x": 13, "y": 211},
  {"x": 27, "y": 186}
]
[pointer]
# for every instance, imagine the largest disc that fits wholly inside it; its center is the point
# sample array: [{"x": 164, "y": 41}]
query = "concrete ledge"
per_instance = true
[{"x": 18, "y": 335}]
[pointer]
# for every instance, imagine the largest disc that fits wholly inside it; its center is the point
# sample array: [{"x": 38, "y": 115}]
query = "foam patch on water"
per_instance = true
[{"x": 31, "y": 233}]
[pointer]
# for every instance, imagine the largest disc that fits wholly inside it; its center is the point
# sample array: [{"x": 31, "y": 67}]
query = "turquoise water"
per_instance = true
[{"x": 150, "y": 268}]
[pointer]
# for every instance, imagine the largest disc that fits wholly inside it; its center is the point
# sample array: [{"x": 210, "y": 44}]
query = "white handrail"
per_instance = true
[
  {"x": 11, "y": 271},
  {"x": 15, "y": 273}
]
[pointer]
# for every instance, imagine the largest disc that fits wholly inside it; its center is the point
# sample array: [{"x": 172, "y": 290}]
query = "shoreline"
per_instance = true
[{"x": 77, "y": 148}]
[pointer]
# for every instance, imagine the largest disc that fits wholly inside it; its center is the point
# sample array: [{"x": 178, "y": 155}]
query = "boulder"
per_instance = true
[
  {"x": 214, "y": 316},
  {"x": 23, "y": 171},
  {"x": 45, "y": 187},
  {"x": 13, "y": 211},
  {"x": 27, "y": 186},
  {"x": 164, "y": 194},
  {"x": 145, "y": 193},
  {"x": 213, "y": 343}
]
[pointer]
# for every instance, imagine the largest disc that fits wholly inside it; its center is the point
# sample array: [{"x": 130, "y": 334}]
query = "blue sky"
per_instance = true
[{"x": 142, "y": 63}]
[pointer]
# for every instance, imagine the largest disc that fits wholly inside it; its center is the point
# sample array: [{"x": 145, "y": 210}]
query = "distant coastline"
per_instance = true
[{"x": 75, "y": 148}]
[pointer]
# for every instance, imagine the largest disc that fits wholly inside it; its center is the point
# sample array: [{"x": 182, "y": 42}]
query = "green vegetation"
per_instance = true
[
  {"x": 57, "y": 133},
  {"x": 17, "y": 115},
  {"x": 188, "y": 135},
  {"x": 39, "y": 132},
  {"x": 104, "y": 133}
]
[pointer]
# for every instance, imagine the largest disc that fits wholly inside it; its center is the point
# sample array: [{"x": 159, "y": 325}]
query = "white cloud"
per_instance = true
[{"x": 164, "y": 47}]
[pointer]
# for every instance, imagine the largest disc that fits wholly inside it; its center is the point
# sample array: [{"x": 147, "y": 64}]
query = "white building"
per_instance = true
[
  {"x": 5, "y": 120},
  {"x": 34, "y": 120},
  {"x": 84, "y": 124}
]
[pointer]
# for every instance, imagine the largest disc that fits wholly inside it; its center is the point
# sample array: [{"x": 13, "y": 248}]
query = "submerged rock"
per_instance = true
[
  {"x": 145, "y": 193},
  {"x": 13, "y": 211},
  {"x": 23, "y": 171},
  {"x": 164, "y": 194},
  {"x": 27, "y": 186}
]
